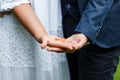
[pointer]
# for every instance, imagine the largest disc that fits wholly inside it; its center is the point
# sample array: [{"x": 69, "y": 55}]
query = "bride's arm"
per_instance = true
[
  {"x": 27, "y": 17},
  {"x": 29, "y": 20},
  {"x": 25, "y": 14}
]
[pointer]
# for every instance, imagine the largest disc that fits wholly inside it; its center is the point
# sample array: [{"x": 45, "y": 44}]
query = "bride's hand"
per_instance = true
[
  {"x": 44, "y": 40},
  {"x": 56, "y": 42},
  {"x": 61, "y": 43}
]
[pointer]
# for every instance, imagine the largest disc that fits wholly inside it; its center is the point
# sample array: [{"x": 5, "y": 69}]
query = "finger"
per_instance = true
[
  {"x": 59, "y": 44},
  {"x": 44, "y": 44},
  {"x": 81, "y": 44},
  {"x": 60, "y": 50},
  {"x": 74, "y": 45},
  {"x": 53, "y": 49}
]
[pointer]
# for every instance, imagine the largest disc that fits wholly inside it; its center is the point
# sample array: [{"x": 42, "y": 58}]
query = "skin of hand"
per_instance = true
[
  {"x": 44, "y": 40},
  {"x": 56, "y": 42},
  {"x": 78, "y": 41}
]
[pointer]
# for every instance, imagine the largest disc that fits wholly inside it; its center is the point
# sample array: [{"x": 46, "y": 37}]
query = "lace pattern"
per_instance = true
[
  {"x": 19, "y": 49},
  {"x": 6, "y": 5},
  {"x": 50, "y": 59}
]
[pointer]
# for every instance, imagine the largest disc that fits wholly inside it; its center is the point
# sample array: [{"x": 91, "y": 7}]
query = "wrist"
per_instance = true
[{"x": 40, "y": 38}]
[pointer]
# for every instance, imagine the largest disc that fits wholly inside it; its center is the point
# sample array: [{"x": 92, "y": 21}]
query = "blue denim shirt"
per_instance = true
[{"x": 100, "y": 21}]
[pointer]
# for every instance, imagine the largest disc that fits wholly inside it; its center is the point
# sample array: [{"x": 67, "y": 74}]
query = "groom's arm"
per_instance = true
[{"x": 93, "y": 15}]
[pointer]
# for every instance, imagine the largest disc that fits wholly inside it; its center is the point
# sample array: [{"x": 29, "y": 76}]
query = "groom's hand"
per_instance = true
[{"x": 76, "y": 41}]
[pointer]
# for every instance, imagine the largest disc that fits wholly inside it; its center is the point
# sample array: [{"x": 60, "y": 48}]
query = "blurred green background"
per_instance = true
[{"x": 117, "y": 74}]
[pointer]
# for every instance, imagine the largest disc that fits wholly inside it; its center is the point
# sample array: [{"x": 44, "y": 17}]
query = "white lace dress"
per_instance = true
[{"x": 20, "y": 55}]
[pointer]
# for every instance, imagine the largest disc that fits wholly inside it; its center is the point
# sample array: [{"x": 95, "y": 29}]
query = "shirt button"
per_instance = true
[{"x": 68, "y": 6}]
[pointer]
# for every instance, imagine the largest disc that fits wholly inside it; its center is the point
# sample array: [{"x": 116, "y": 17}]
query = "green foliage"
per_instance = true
[{"x": 117, "y": 74}]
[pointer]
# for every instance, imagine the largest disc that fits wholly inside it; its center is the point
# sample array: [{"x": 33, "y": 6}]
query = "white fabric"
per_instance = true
[
  {"x": 20, "y": 55},
  {"x": 6, "y": 5}
]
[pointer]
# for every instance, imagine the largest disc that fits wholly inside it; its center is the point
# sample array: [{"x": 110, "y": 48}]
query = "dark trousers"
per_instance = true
[
  {"x": 69, "y": 25},
  {"x": 96, "y": 63}
]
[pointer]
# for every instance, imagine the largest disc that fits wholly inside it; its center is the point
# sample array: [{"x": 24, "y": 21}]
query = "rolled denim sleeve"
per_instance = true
[
  {"x": 93, "y": 17},
  {"x": 6, "y": 5}
]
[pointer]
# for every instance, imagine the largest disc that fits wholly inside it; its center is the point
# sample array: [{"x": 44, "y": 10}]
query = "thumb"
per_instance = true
[{"x": 44, "y": 44}]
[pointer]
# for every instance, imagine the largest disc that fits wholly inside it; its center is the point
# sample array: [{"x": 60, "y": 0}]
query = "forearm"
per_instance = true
[
  {"x": 93, "y": 16},
  {"x": 29, "y": 20}
]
